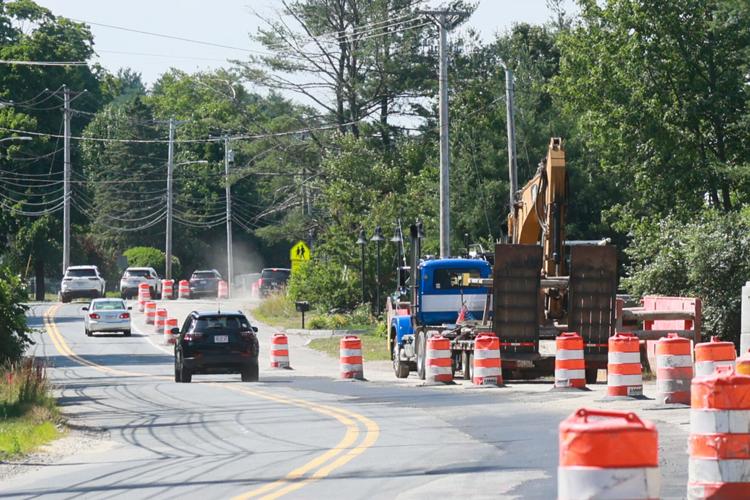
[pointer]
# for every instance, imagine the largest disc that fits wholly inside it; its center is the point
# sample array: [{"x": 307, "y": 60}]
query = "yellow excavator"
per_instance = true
[{"x": 542, "y": 284}]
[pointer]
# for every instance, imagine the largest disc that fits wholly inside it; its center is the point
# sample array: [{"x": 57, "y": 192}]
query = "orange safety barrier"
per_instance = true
[
  {"x": 607, "y": 454},
  {"x": 279, "y": 351},
  {"x": 169, "y": 323},
  {"x": 161, "y": 318},
  {"x": 570, "y": 367},
  {"x": 150, "y": 308},
  {"x": 183, "y": 292},
  {"x": 144, "y": 295},
  {"x": 674, "y": 369},
  {"x": 709, "y": 355},
  {"x": 719, "y": 443},
  {"x": 223, "y": 292},
  {"x": 350, "y": 357},
  {"x": 167, "y": 288},
  {"x": 743, "y": 365},
  {"x": 624, "y": 376},
  {"x": 488, "y": 366},
  {"x": 438, "y": 360}
]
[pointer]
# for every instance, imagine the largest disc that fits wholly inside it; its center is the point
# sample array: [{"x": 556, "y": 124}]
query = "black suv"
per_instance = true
[
  {"x": 216, "y": 342},
  {"x": 272, "y": 279},
  {"x": 204, "y": 284}
]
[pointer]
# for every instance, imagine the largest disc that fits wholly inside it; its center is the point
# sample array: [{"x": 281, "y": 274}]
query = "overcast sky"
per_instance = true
[{"x": 223, "y": 22}]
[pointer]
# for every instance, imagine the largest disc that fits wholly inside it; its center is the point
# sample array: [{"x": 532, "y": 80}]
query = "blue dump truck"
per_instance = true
[{"x": 440, "y": 301}]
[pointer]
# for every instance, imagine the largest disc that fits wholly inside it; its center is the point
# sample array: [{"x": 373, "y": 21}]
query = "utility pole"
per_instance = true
[
  {"x": 445, "y": 20},
  {"x": 511, "y": 128},
  {"x": 66, "y": 179},
  {"x": 170, "y": 199},
  {"x": 228, "y": 157}
]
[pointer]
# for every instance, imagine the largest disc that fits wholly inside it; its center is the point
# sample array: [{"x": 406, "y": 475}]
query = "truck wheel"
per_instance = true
[
  {"x": 466, "y": 364},
  {"x": 400, "y": 368},
  {"x": 421, "y": 354},
  {"x": 591, "y": 375}
]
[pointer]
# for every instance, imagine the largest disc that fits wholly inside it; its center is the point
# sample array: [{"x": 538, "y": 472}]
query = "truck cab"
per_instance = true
[{"x": 439, "y": 294}]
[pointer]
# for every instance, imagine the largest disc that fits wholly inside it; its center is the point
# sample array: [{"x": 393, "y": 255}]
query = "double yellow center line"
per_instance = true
[{"x": 361, "y": 432}]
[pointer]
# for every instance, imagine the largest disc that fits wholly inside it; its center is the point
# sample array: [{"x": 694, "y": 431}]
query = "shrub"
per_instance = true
[
  {"x": 706, "y": 257},
  {"x": 14, "y": 331},
  {"x": 151, "y": 257},
  {"x": 325, "y": 284}
]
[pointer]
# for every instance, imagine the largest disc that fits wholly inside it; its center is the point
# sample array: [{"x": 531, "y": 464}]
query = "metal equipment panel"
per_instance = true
[
  {"x": 516, "y": 300},
  {"x": 591, "y": 295}
]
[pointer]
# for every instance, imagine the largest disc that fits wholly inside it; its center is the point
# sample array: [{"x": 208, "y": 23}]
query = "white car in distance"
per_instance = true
[
  {"x": 107, "y": 315},
  {"x": 80, "y": 282},
  {"x": 134, "y": 276}
]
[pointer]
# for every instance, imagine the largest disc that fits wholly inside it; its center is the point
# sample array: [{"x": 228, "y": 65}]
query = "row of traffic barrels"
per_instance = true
[{"x": 183, "y": 291}]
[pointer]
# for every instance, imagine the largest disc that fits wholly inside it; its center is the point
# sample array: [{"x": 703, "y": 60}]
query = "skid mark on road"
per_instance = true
[{"x": 361, "y": 432}]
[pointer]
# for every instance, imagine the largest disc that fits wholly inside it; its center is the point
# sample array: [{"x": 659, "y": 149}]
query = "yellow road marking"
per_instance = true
[{"x": 325, "y": 463}]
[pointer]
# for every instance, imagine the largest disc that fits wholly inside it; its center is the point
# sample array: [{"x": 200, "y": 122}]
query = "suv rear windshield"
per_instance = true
[
  {"x": 78, "y": 273},
  {"x": 203, "y": 275},
  {"x": 138, "y": 273},
  {"x": 275, "y": 275},
  {"x": 233, "y": 323}
]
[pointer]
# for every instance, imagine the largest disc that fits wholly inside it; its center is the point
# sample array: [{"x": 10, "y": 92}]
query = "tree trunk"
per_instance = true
[{"x": 39, "y": 275}]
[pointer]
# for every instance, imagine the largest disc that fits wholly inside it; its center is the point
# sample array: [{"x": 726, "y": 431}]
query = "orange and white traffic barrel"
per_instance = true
[
  {"x": 150, "y": 308},
  {"x": 624, "y": 377},
  {"x": 570, "y": 366},
  {"x": 743, "y": 365},
  {"x": 223, "y": 292},
  {"x": 607, "y": 454},
  {"x": 169, "y": 323},
  {"x": 144, "y": 295},
  {"x": 160, "y": 320},
  {"x": 719, "y": 443},
  {"x": 488, "y": 367},
  {"x": 674, "y": 369},
  {"x": 167, "y": 287},
  {"x": 438, "y": 361},
  {"x": 350, "y": 357},
  {"x": 279, "y": 351},
  {"x": 709, "y": 355},
  {"x": 183, "y": 292}
]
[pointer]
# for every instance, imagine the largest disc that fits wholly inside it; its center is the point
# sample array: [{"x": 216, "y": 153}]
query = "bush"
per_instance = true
[
  {"x": 707, "y": 257},
  {"x": 325, "y": 285},
  {"x": 23, "y": 385},
  {"x": 14, "y": 331},
  {"x": 151, "y": 257}
]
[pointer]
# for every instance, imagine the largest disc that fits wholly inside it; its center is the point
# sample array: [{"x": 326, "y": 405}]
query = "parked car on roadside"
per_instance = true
[
  {"x": 107, "y": 315},
  {"x": 216, "y": 342},
  {"x": 81, "y": 282},
  {"x": 272, "y": 279},
  {"x": 204, "y": 283},
  {"x": 134, "y": 276}
]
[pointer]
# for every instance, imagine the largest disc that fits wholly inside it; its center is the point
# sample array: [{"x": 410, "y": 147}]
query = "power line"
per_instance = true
[{"x": 44, "y": 63}]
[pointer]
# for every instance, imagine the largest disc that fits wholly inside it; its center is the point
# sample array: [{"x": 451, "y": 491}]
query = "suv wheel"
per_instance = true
[
  {"x": 64, "y": 298},
  {"x": 249, "y": 373},
  {"x": 182, "y": 373}
]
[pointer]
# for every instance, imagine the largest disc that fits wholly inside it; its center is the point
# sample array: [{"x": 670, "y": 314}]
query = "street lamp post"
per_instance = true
[
  {"x": 362, "y": 241},
  {"x": 378, "y": 239}
]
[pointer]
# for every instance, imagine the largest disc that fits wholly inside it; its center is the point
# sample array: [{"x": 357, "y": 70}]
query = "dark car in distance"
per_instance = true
[
  {"x": 272, "y": 279},
  {"x": 216, "y": 342},
  {"x": 204, "y": 283}
]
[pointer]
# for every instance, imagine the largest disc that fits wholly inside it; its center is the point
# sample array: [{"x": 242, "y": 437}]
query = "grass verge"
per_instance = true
[
  {"x": 374, "y": 347},
  {"x": 28, "y": 413},
  {"x": 277, "y": 310}
]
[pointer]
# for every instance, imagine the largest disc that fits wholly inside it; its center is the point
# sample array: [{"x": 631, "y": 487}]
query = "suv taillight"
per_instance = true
[
  {"x": 94, "y": 316},
  {"x": 194, "y": 336},
  {"x": 125, "y": 316},
  {"x": 260, "y": 282},
  {"x": 246, "y": 335}
]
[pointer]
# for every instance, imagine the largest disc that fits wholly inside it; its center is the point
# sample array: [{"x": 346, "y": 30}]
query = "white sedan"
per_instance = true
[{"x": 107, "y": 315}]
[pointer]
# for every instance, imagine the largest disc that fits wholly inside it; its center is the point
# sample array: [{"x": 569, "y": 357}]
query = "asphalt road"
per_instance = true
[{"x": 300, "y": 433}]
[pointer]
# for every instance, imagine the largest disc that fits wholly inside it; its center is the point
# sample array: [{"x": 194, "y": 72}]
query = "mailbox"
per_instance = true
[{"x": 302, "y": 306}]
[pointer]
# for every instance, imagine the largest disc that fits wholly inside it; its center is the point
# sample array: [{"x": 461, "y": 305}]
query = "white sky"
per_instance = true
[{"x": 225, "y": 22}]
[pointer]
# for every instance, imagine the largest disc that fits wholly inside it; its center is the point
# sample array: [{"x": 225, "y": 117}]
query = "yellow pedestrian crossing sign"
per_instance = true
[{"x": 299, "y": 253}]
